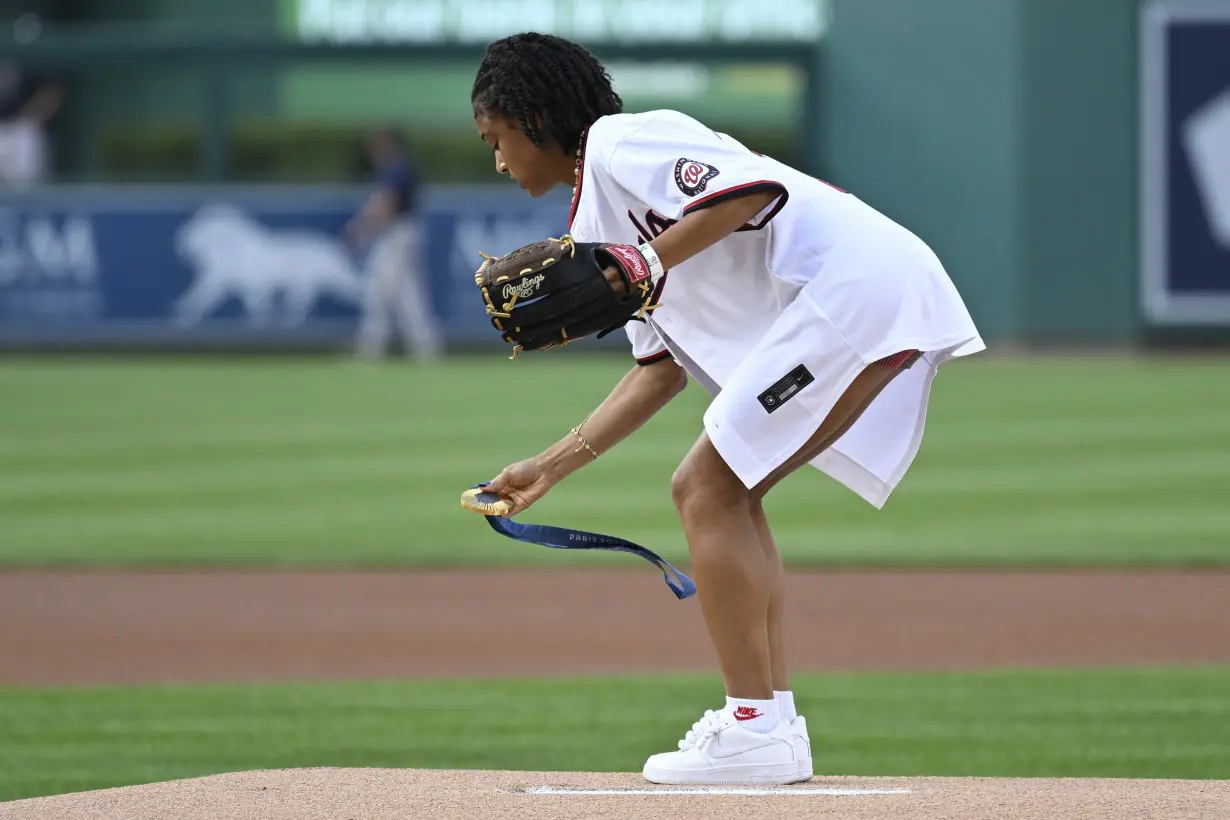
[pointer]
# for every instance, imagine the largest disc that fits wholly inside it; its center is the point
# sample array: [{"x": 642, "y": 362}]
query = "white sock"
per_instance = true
[
  {"x": 785, "y": 706},
  {"x": 759, "y": 716}
]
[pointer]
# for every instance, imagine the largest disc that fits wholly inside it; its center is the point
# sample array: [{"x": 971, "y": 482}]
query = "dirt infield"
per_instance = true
[
  {"x": 399, "y": 794},
  {"x": 134, "y": 627}
]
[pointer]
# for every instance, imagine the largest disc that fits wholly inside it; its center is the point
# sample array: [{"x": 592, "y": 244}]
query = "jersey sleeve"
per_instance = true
[
  {"x": 677, "y": 166},
  {"x": 647, "y": 346}
]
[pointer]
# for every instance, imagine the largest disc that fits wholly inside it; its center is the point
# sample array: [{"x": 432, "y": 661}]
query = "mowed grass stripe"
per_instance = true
[
  {"x": 1120, "y": 441},
  {"x": 1197, "y": 474},
  {"x": 198, "y": 461},
  {"x": 1169, "y": 723}
]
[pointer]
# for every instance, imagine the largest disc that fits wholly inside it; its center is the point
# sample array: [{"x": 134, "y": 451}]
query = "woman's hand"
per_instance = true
[
  {"x": 616, "y": 280},
  {"x": 522, "y": 483},
  {"x": 640, "y": 394}
]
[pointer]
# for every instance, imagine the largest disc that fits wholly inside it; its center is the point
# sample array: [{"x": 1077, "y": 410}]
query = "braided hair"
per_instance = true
[{"x": 554, "y": 87}]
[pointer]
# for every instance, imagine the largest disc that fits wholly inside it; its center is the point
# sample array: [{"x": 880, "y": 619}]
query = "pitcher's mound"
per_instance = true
[{"x": 438, "y": 794}]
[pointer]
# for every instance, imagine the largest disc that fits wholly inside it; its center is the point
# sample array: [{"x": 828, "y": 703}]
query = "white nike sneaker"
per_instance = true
[
  {"x": 719, "y": 751},
  {"x": 797, "y": 732}
]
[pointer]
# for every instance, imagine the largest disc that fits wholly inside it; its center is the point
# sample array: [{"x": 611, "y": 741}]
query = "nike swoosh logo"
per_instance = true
[{"x": 723, "y": 754}]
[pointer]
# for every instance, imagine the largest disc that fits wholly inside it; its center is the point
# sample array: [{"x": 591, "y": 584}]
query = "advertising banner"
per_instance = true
[
  {"x": 181, "y": 266},
  {"x": 1185, "y": 162}
]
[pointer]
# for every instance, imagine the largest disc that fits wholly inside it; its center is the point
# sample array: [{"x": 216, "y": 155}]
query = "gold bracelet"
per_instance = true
[{"x": 576, "y": 431}]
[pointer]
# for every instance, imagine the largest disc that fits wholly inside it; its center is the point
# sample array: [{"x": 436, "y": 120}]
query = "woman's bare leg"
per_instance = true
[{"x": 738, "y": 571}]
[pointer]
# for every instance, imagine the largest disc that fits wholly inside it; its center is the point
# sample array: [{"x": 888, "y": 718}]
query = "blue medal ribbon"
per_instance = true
[{"x": 563, "y": 538}]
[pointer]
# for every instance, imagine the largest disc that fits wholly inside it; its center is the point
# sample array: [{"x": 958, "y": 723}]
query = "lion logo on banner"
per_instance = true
[
  {"x": 1206, "y": 135},
  {"x": 233, "y": 255}
]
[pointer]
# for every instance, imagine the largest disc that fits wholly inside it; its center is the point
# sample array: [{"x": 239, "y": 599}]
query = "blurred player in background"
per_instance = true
[
  {"x": 389, "y": 219},
  {"x": 27, "y": 104}
]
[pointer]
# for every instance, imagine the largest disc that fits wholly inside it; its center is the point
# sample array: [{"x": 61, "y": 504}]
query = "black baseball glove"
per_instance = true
[{"x": 549, "y": 293}]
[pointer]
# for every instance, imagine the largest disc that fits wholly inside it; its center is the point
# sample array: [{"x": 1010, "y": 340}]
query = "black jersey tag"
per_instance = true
[{"x": 785, "y": 388}]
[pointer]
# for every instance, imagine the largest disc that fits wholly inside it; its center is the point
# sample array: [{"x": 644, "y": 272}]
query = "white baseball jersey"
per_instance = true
[
  {"x": 644, "y": 172},
  {"x": 817, "y": 283}
]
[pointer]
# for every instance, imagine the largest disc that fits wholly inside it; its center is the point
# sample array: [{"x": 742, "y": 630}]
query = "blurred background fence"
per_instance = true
[{"x": 1007, "y": 133}]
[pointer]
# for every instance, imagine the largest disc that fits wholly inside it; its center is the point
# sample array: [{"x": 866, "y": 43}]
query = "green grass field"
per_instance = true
[
  {"x": 1029, "y": 461},
  {"x": 1116, "y": 723}
]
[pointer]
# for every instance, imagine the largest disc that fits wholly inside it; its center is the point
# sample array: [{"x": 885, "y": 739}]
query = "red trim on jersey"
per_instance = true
[
  {"x": 576, "y": 196},
  {"x": 740, "y": 190},
  {"x": 654, "y": 358},
  {"x": 576, "y": 199},
  {"x": 817, "y": 179},
  {"x": 900, "y": 361}
]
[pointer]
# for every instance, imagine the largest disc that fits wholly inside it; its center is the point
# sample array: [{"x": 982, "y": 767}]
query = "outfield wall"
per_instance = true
[
  {"x": 227, "y": 266},
  {"x": 1006, "y": 133}
]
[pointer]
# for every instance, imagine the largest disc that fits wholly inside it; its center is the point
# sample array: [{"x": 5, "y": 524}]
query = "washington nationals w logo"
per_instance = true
[{"x": 692, "y": 176}]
